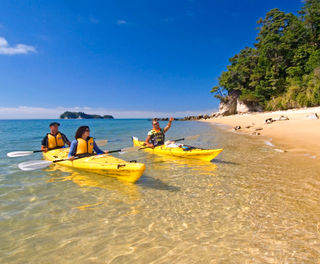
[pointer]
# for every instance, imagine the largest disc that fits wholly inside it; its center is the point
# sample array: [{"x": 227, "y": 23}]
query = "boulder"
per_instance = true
[
  {"x": 282, "y": 118},
  {"x": 216, "y": 114},
  {"x": 269, "y": 120},
  {"x": 255, "y": 133},
  {"x": 313, "y": 116}
]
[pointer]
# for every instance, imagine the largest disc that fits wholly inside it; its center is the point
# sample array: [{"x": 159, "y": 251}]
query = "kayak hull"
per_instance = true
[
  {"x": 202, "y": 154},
  {"x": 102, "y": 164}
]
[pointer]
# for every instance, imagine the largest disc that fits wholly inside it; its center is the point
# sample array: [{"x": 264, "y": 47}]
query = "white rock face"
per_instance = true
[
  {"x": 236, "y": 106},
  {"x": 246, "y": 108},
  {"x": 242, "y": 107},
  {"x": 228, "y": 108}
]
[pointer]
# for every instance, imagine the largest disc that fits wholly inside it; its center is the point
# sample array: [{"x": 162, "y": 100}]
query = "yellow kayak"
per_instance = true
[
  {"x": 101, "y": 164},
  {"x": 193, "y": 153}
]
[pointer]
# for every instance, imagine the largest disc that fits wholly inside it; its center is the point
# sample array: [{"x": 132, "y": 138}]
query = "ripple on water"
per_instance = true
[{"x": 250, "y": 205}]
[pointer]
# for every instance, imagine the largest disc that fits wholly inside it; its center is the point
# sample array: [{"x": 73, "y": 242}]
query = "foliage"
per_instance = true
[
  {"x": 279, "y": 71},
  {"x": 81, "y": 115}
]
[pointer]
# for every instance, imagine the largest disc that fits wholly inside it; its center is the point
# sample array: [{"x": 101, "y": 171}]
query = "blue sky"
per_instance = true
[{"x": 127, "y": 58}]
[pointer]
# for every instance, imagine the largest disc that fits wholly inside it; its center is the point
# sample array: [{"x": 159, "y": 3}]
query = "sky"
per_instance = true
[{"x": 127, "y": 58}]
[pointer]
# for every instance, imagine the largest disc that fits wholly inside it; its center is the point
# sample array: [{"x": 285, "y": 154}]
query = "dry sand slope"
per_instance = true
[{"x": 301, "y": 133}]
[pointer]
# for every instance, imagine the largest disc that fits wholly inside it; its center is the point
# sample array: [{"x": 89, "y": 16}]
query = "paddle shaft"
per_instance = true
[
  {"x": 175, "y": 141},
  {"x": 180, "y": 139},
  {"x": 111, "y": 151},
  {"x": 193, "y": 147}
]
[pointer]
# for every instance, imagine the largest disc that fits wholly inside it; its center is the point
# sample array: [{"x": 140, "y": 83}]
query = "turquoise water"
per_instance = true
[{"x": 250, "y": 205}]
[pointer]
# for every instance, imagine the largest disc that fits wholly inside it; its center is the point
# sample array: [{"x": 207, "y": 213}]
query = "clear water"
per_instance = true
[{"x": 250, "y": 205}]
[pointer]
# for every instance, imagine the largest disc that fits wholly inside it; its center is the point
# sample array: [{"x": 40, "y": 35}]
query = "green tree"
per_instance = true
[
  {"x": 279, "y": 72},
  {"x": 311, "y": 15}
]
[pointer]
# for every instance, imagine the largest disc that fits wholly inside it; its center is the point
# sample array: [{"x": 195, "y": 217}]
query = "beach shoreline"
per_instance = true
[{"x": 294, "y": 130}]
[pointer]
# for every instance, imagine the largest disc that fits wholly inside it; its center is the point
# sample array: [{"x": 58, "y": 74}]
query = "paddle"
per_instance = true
[
  {"x": 21, "y": 153},
  {"x": 190, "y": 138},
  {"x": 40, "y": 164},
  {"x": 15, "y": 154},
  {"x": 181, "y": 139},
  {"x": 101, "y": 142},
  {"x": 187, "y": 138}
]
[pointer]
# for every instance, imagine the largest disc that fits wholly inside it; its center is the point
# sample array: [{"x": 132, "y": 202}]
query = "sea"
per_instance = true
[{"x": 251, "y": 204}]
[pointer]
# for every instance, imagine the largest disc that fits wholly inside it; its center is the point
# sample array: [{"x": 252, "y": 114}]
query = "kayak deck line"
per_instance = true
[
  {"x": 104, "y": 164},
  {"x": 194, "y": 153}
]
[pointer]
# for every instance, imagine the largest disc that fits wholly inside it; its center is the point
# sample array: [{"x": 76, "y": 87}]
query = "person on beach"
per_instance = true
[
  {"x": 83, "y": 145},
  {"x": 156, "y": 136},
  {"x": 55, "y": 139}
]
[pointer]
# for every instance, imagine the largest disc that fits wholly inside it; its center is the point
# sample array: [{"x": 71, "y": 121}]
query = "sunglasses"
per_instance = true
[{"x": 155, "y": 124}]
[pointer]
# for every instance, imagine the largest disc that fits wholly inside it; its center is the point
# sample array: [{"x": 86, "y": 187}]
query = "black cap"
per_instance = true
[{"x": 54, "y": 123}]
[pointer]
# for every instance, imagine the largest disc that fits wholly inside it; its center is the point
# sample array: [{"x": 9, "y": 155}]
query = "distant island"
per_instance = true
[{"x": 81, "y": 115}]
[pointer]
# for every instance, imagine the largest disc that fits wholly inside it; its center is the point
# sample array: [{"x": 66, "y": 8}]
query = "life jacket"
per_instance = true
[
  {"x": 55, "y": 141},
  {"x": 157, "y": 138},
  {"x": 84, "y": 146}
]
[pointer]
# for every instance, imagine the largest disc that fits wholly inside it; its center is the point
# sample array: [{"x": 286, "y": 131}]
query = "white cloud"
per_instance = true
[
  {"x": 6, "y": 49},
  {"x": 121, "y": 22},
  {"x": 27, "y": 112}
]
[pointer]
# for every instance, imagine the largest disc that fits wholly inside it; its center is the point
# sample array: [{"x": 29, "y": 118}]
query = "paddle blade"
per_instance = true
[
  {"x": 125, "y": 150},
  {"x": 34, "y": 165},
  {"x": 130, "y": 149},
  {"x": 101, "y": 143},
  {"x": 192, "y": 137},
  {"x": 19, "y": 154}
]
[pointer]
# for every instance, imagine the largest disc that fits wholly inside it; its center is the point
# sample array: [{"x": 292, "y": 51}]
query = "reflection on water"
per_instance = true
[
  {"x": 128, "y": 191},
  {"x": 251, "y": 205}
]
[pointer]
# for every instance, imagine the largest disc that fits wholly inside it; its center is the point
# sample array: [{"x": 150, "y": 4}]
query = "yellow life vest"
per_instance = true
[
  {"x": 55, "y": 141},
  {"x": 84, "y": 146},
  {"x": 157, "y": 138}
]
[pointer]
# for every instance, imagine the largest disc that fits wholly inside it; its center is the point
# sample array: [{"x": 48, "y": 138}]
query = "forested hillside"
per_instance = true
[{"x": 282, "y": 70}]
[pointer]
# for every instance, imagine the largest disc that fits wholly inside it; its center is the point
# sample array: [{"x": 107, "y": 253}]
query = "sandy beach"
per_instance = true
[{"x": 298, "y": 134}]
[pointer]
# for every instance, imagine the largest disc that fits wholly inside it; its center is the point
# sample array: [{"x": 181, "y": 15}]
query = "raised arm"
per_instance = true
[{"x": 168, "y": 125}]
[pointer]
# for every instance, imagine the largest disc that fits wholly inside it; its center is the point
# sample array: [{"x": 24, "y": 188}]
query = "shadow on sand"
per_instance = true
[
  {"x": 149, "y": 182},
  {"x": 217, "y": 161}
]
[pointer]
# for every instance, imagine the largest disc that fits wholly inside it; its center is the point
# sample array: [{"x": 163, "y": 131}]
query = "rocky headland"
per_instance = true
[{"x": 81, "y": 115}]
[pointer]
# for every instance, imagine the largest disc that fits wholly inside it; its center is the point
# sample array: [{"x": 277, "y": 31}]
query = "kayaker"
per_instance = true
[
  {"x": 156, "y": 135},
  {"x": 54, "y": 139},
  {"x": 83, "y": 145}
]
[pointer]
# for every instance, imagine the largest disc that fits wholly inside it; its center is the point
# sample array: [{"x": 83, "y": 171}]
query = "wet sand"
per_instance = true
[{"x": 298, "y": 134}]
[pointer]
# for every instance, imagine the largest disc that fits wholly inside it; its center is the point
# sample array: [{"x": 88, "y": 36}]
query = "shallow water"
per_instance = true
[{"x": 250, "y": 205}]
